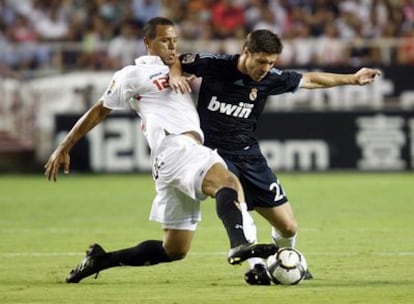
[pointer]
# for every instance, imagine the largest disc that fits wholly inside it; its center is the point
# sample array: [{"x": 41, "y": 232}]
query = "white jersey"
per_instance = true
[{"x": 144, "y": 88}]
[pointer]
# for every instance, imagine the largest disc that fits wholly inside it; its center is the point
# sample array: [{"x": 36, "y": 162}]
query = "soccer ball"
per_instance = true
[{"x": 287, "y": 267}]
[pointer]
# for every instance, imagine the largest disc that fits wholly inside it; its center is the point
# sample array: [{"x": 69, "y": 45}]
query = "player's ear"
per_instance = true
[{"x": 146, "y": 42}]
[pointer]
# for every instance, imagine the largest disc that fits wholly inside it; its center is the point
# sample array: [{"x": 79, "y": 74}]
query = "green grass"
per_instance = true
[{"x": 356, "y": 231}]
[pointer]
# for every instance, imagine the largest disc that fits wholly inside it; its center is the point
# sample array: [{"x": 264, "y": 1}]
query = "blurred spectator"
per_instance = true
[
  {"x": 408, "y": 11},
  {"x": 294, "y": 19},
  {"x": 387, "y": 50},
  {"x": 396, "y": 16},
  {"x": 94, "y": 54},
  {"x": 193, "y": 28},
  {"x": 405, "y": 52},
  {"x": 8, "y": 56},
  {"x": 347, "y": 21},
  {"x": 329, "y": 49},
  {"x": 88, "y": 32},
  {"x": 360, "y": 51},
  {"x": 124, "y": 48},
  {"x": 253, "y": 13},
  {"x": 304, "y": 46},
  {"x": 287, "y": 57},
  {"x": 196, "y": 21},
  {"x": 52, "y": 26},
  {"x": 320, "y": 14},
  {"x": 21, "y": 7},
  {"x": 7, "y": 14},
  {"x": 268, "y": 21},
  {"x": 23, "y": 42},
  {"x": 227, "y": 20},
  {"x": 112, "y": 11},
  {"x": 173, "y": 9},
  {"x": 143, "y": 10},
  {"x": 280, "y": 10},
  {"x": 360, "y": 8},
  {"x": 373, "y": 27},
  {"x": 380, "y": 10},
  {"x": 21, "y": 31}
]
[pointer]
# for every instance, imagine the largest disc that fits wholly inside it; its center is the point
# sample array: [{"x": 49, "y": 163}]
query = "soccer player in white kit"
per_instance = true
[{"x": 184, "y": 170}]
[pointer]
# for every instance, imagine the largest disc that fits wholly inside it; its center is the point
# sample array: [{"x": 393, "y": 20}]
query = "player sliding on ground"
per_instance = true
[{"x": 184, "y": 170}]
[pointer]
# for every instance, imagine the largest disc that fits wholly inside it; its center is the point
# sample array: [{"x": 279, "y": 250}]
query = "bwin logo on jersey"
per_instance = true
[{"x": 241, "y": 110}]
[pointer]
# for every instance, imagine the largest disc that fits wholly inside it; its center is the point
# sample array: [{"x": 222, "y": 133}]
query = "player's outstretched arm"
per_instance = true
[
  {"x": 60, "y": 157},
  {"x": 315, "y": 80},
  {"x": 366, "y": 76}
]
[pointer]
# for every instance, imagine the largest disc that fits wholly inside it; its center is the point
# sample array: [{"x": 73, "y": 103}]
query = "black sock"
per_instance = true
[
  {"x": 146, "y": 253},
  {"x": 230, "y": 215}
]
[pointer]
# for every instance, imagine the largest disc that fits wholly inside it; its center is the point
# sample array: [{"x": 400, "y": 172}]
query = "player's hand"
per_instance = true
[
  {"x": 366, "y": 76},
  {"x": 58, "y": 158},
  {"x": 181, "y": 84}
]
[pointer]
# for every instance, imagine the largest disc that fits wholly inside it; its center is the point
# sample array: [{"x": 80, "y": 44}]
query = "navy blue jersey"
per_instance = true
[
  {"x": 230, "y": 102},
  {"x": 229, "y": 105}
]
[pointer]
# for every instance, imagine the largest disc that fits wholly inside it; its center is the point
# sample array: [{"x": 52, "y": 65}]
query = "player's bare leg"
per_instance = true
[
  {"x": 284, "y": 226},
  {"x": 177, "y": 243},
  {"x": 283, "y": 222},
  {"x": 257, "y": 274}
]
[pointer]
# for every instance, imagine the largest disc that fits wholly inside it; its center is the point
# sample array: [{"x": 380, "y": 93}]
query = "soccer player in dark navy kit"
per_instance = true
[{"x": 232, "y": 97}]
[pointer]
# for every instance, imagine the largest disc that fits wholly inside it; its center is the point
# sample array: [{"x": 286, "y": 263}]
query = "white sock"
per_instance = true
[
  {"x": 249, "y": 227},
  {"x": 282, "y": 241},
  {"x": 250, "y": 232}
]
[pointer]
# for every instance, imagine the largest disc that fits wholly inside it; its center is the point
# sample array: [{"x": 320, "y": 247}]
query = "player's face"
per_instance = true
[
  {"x": 164, "y": 44},
  {"x": 259, "y": 64}
]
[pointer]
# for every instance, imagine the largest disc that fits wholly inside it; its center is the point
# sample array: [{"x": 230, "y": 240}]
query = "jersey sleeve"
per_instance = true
[
  {"x": 196, "y": 64},
  {"x": 119, "y": 92},
  {"x": 290, "y": 81}
]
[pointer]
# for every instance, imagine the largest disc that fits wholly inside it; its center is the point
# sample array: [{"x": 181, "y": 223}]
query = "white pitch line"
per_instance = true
[{"x": 210, "y": 253}]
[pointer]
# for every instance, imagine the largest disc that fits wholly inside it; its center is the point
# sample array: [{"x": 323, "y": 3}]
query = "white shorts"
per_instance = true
[{"x": 179, "y": 167}]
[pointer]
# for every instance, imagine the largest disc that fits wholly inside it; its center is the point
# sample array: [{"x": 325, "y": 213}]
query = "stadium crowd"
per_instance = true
[{"x": 106, "y": 34}]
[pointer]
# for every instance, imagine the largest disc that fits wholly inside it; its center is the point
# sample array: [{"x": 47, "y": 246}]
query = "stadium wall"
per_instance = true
[
  {"x": 358, "y": 128},
  {"x": 294, "y": 141}
]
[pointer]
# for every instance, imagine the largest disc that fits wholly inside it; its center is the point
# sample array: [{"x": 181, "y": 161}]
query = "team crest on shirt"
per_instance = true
[
  {"x": 253, "y": 94},
  {"x": 111, "y": 87},
  {"x": 188, "y": 58}
]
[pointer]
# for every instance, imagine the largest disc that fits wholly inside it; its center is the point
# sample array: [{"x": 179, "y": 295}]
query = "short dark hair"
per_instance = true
[
  {"x": 151, "y": 25},
  {"x": 263, "y": 41}
]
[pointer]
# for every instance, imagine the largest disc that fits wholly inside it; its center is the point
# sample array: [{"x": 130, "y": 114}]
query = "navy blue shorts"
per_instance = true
[{"x": 261, "y": 186}]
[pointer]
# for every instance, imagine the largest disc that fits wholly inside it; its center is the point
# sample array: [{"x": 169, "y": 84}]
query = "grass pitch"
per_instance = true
[{"x": 356, "y": 231}]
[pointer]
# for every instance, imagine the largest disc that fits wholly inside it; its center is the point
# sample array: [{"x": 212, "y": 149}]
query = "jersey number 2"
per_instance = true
[{"x": 275, "y": 187}]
